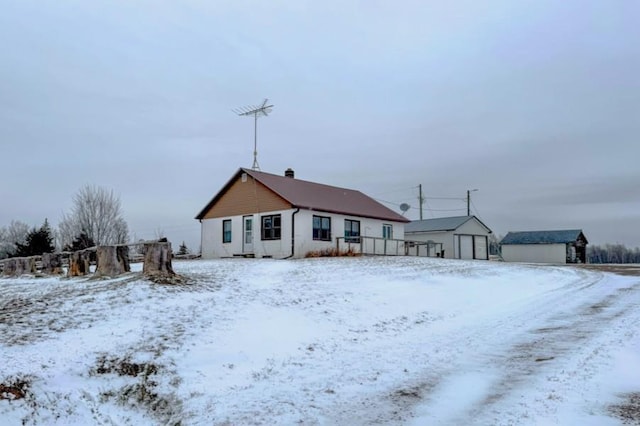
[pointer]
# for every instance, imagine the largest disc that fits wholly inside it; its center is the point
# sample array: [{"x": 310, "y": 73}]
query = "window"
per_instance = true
[
  {"x": 226, "y": 231},
  {"x": 322, "y": 228},
  {"x": 271, "y": 227},
  {"x": 352, "y": 231},
  {"x": 387, "y": 231}
]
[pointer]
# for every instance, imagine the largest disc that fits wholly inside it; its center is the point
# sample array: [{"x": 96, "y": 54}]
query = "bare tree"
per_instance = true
[
  {"x": 68, "y": 231},
  {"x": 16, "y": 233},
  {"x": 5, "y": 249},
  {"x": 159, "y": 233},
  {"x": 97, "y": 213}
]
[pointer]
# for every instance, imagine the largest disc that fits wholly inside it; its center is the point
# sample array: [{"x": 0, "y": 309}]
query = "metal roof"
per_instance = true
[
  {"x": 544, "y": 237},
  {"x": 315, "y": 196},
  {"x": 440, "y": 224}
]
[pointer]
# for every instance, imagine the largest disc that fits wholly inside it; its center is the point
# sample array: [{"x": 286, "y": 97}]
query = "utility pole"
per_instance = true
[
  {"x": 469, "y": 201},
  {"x": 420, "y": 198}
]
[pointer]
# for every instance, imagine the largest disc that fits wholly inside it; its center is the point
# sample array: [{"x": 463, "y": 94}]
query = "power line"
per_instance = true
[
  {"x": 445, "y": 198},
  {"x": 448, "y": 210},
  {"x": 475, "y": 209},
  {"x": 417, "y": 208},
  {"x": 395, "y": 191}
]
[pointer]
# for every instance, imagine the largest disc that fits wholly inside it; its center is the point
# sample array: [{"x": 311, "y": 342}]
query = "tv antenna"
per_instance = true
[{"x": 255, "y": 111}]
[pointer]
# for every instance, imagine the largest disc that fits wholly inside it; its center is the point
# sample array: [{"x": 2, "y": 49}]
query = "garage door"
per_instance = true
[
  {"x": 481, "y": 246},
  {"x": 466, "y": 247}
]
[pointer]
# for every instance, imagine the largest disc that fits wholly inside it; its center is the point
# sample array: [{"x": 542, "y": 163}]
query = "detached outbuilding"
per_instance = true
[
  {"x": 459, "y": 237},
  {"x": 563, "y": 246}
]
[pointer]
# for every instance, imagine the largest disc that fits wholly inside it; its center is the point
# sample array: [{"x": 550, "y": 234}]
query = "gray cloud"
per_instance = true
[{"x": 535, "y": 104}]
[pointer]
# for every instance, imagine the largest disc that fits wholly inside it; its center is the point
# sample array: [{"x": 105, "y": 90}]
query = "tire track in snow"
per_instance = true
[
  {"x": 550, "y": 352},
  {"x": 525, "y": 359},
  {"x": 566, "y": 315}
]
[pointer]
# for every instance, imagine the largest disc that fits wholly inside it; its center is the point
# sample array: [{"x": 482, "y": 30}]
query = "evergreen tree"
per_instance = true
[
  {"x": 81, "y": 242},
  {"x": 38, "y": 241},
  {"x": 183, "y": 249}
]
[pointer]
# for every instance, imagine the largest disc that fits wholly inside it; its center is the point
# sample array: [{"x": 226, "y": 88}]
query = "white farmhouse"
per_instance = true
[
  {"x": 258, "y": 214},
  {"x": 564, "y": 246},
  {"x": 459, "y": 237}
]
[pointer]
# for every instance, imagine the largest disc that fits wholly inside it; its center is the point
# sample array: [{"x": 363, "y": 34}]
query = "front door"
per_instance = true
[{"x": 247, "y": 229}]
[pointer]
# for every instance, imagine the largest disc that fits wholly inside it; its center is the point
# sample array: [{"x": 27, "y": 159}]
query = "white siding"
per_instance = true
[
  {"x": 466, "y": 247},
  {"x": 472, "y": 227},
  {"x": 480, "y": 243},
  {"x": 535, "y": 253},
  {"x": 368, "y": 228},
  {"x": 212, "y": 246},
  {"x": 468, "y": 232}
]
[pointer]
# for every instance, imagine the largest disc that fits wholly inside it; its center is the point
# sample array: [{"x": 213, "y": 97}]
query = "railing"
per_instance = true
[
  {"x": 424, "y": 249},
  {"x": 376, "y": 246},
  {"x": 370, "y": 246}
]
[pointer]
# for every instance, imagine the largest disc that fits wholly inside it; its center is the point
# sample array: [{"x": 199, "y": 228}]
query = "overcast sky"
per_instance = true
[{"x": 534, "y": 103}]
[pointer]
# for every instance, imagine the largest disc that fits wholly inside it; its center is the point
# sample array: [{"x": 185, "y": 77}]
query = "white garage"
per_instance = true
[{"x": 459, "y": 237}]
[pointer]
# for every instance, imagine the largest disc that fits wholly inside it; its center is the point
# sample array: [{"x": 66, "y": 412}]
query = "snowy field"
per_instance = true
[{"x": 349, "y": 341}]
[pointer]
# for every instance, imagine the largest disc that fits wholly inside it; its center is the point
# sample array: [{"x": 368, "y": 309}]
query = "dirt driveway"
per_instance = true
[{"x": 620, "y": 269}]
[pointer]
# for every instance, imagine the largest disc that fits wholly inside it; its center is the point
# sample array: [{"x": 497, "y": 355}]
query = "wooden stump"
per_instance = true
[
  {"x": 157, "y": 259},
  {"x": 25, "y": 265},
  {"x": 52, "y": 263},
  {"x": 112, "y": 260},
  {"x": 123, "y": 256},
  {"x": 10, "y": 267},
  {"x": 79, "y": 263}
]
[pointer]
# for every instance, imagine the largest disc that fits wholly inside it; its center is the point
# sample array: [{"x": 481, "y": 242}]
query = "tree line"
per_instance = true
[
  {"x": 95, "y": 218},
  {"x": 612, "y": 253}
]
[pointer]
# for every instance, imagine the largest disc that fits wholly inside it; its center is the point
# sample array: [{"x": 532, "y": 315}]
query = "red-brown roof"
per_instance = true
[{"x": 316, "y": 196}]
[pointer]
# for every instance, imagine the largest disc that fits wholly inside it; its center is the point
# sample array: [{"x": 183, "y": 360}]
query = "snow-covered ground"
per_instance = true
[{"x": 348, "y": 341}]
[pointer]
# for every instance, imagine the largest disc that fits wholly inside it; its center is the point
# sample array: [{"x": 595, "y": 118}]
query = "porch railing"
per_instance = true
[{"x": 376, "y": 246}]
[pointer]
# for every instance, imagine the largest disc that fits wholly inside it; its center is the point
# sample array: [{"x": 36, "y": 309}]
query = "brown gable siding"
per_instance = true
[{"x": 246, "y": 198}]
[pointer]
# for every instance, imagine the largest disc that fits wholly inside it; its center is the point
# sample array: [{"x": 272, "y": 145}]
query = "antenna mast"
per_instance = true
[{"x": 257, "y": 111}]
